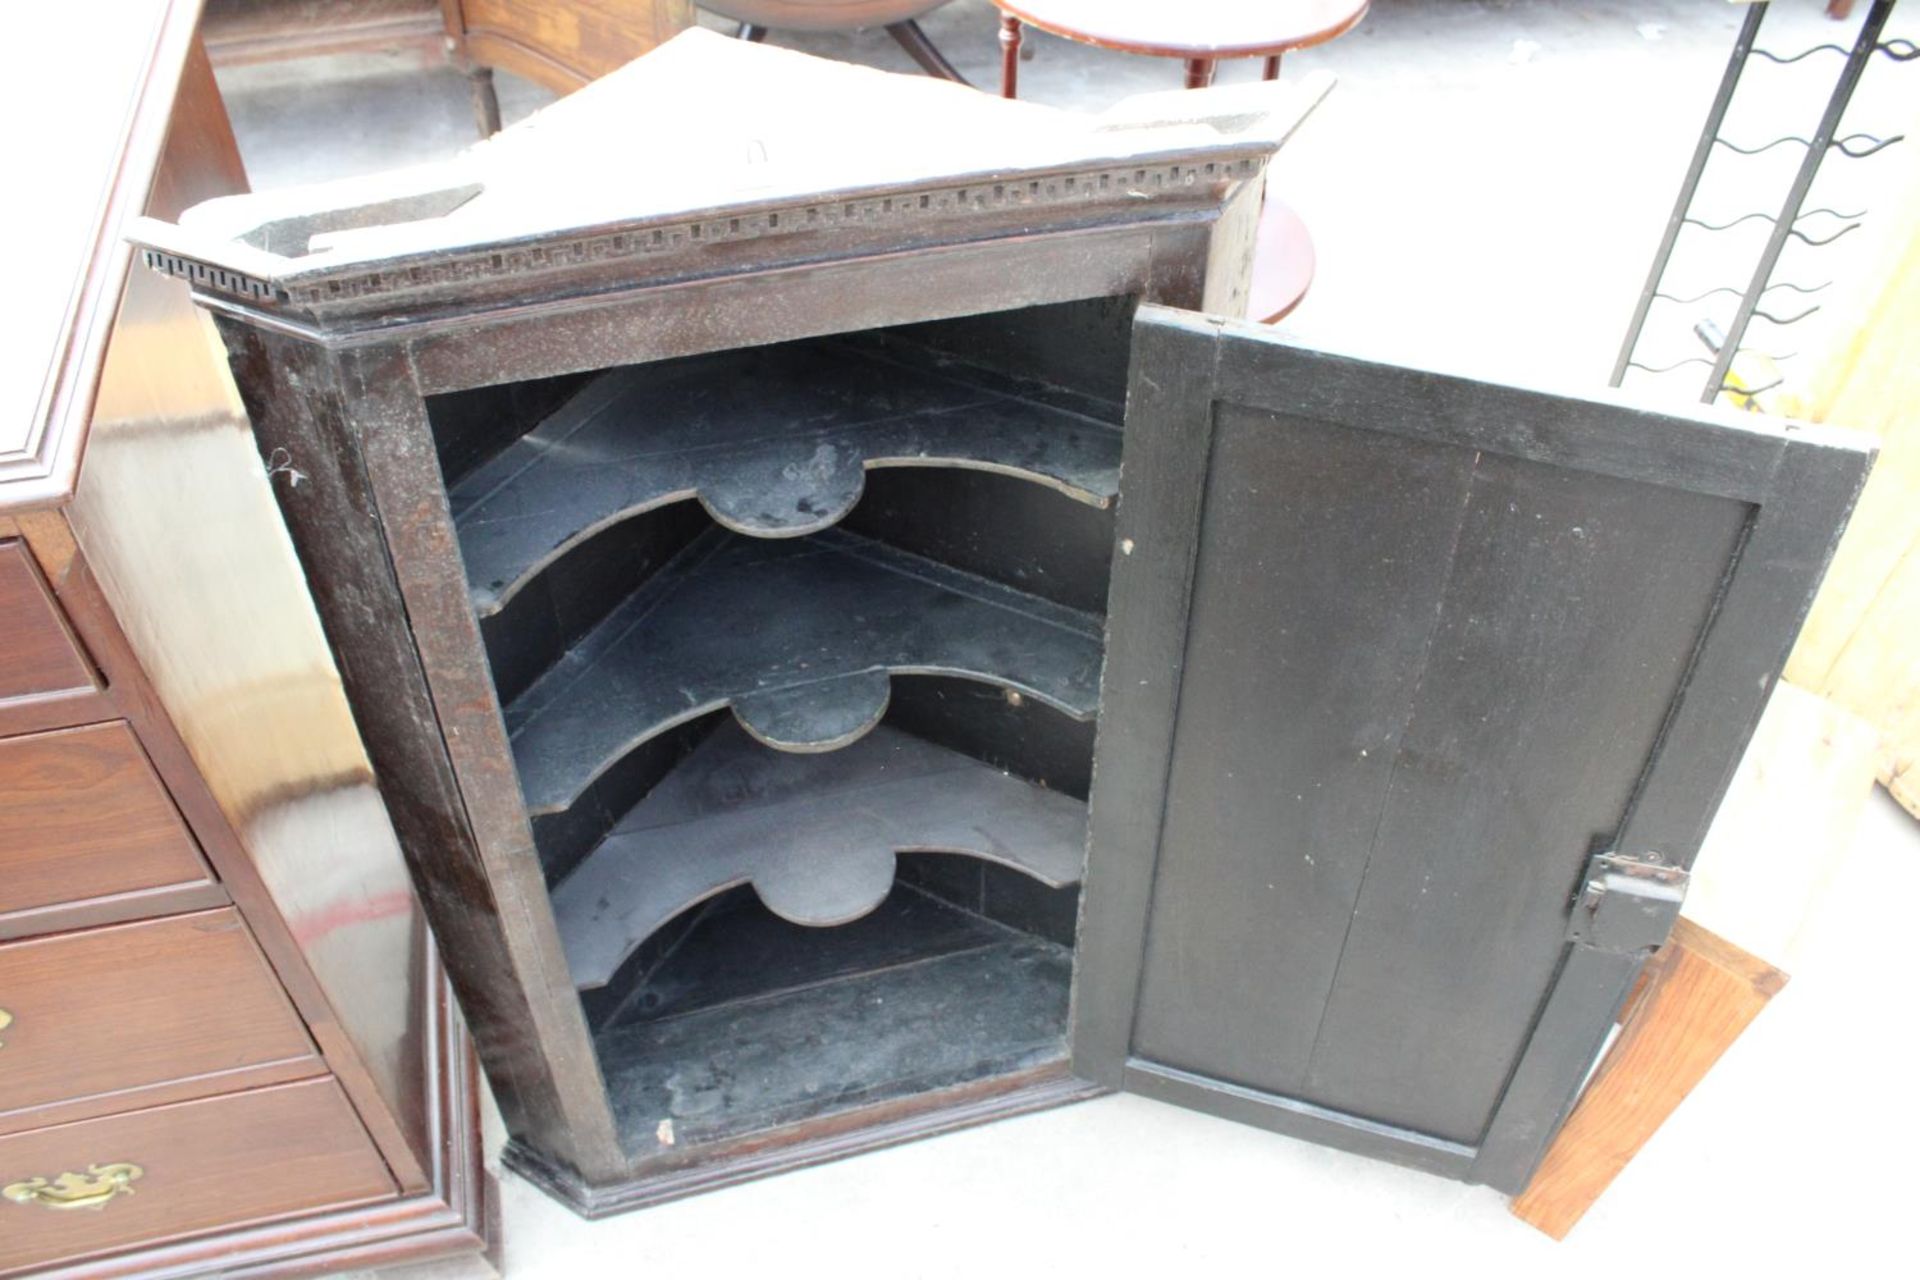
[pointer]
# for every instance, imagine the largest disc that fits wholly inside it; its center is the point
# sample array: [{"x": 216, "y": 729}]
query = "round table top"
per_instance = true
[{"x": 1192, "y": 28}]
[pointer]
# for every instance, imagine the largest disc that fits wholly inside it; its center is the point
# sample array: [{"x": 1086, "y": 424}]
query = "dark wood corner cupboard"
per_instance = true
[{"x": 855, "y": 649}]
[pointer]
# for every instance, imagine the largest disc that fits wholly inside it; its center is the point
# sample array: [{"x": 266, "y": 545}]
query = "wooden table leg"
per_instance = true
[
  {"x": 912, "y": 37},
  {"x": 1009, "y": 56},
  {"x": 1200, "y": 72},
  {"x": 486, "y": 102},
  {"x": 1699, "y": 994}
]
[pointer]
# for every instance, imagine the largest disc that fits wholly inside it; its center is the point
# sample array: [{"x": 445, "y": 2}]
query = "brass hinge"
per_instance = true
[{"x": 1627, "y": 903}]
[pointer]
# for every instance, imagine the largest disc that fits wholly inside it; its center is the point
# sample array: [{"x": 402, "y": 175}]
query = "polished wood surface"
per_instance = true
[
  {"x": 821, "y": 15},
  {"x": 1699, "y": 994},
  {"x": 38, "y": 655},
  {"x": 1283, "y": 263},
  {"x": 83, "y": 816},
  {"x": 237, "y": 32},
  {"x": 218, "y": 1163},
  {"x": 173, "y": 572},
  {"x": 562, "y": 44},
  {"x": 134, "y": 1015},
  {"x": 206, "y": 629},
  {"x": 1194, "y": 28}
]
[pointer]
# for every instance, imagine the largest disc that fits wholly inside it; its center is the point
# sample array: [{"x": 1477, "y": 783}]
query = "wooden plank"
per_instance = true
[
  {"x": 1786, "y": 825},
  {"x": 799, "y": 638},
  {"x": 773, "y": 441},
  {"x": 1857, "y": 645},
  {"x": 814, "y": 834},
  {"x": 1877, "y": 673},
  {"x": 1700, "y": 994}
]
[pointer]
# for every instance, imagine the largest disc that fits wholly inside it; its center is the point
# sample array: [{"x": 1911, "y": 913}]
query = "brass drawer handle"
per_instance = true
[
  {"x": 89, "y": 1190},
  {"x": 6, "y": 1020}
]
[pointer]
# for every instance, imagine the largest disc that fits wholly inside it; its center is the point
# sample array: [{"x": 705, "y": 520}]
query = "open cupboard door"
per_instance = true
[{"x": 1419, "y": 698}]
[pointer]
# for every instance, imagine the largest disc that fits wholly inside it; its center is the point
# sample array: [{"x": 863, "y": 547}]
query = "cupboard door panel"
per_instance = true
[
  {"x": 1541, "y": 697},
  {"x": 1266, "y": 833},
  {"x": 1393, "y": 656}
]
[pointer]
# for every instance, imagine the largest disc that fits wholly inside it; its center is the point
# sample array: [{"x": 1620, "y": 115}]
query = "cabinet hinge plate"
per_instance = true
[{"x": 1627, "y": 902}]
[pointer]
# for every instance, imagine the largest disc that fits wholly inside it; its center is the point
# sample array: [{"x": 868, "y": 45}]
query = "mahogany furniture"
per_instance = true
[
  {"x": 856, "y": 645},
  {"x": 239, "y": 32},
  {"x": 1199, "y": 32},
  {"x": 1202, "y": 34},
  {"x": 558, "y": 44},
  {"x": 1284, "y": 262},
  {"x": 226, "y": 1045},
  {"x": 900, "y": 18}
]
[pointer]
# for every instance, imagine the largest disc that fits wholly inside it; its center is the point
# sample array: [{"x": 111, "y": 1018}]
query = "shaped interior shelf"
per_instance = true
[
  {"x": 800, "y": 638},
  {"x": 815, "y": 835},
  {"x": 774, "y": 442}
]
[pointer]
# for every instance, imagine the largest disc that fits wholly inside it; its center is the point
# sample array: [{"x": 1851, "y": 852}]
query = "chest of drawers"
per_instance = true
[{"x": 226, "y": 1045}]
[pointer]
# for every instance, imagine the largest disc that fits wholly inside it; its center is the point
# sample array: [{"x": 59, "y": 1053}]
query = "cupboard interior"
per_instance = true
[{"x": 799, "y": 652}]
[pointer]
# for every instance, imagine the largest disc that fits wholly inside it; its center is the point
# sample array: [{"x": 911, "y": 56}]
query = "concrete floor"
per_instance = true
[{"x": 1485, "y": 187}]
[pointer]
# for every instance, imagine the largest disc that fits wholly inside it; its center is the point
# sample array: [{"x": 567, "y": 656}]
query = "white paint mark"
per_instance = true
[{"x": 280, "y": 463}]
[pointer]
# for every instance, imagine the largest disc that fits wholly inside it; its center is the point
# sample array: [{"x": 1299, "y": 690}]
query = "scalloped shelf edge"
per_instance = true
[
  {"x": 816, "y": 837},
  {"x": 773, "y": 443},
  {"x": 490, "y": 600},
  {"x": 684, "y": 647}
]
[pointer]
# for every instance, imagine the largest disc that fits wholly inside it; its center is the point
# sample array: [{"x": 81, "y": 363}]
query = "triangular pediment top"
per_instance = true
[{"x": 704, "y": 127}]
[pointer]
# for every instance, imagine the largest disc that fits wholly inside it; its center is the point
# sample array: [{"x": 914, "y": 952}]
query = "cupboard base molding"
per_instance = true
[{"x": 865, "y": 1129}]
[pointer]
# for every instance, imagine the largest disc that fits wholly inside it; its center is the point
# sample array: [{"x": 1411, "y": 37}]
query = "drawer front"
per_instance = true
[
  {"x": 83, "y": 816},
  {"x": 138, "y": 1014},
  {"x": 158, "y": 1175},
  {"x": 38, "y": 655}
]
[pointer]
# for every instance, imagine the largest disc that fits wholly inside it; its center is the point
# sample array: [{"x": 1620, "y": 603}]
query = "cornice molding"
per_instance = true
[{"x": 672, "y": 249}]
